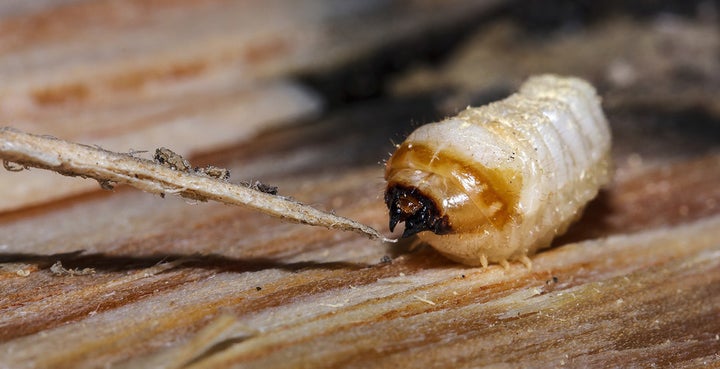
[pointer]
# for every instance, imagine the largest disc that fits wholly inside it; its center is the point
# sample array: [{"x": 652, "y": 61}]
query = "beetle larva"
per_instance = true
[{"x": 499, "y": 182}]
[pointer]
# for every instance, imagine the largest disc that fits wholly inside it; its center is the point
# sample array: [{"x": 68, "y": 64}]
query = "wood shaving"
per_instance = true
[
  {"x": 429, "y": 302},
  {"x": 262, "y": 187},
  {"x": 59, "y": 270},
  {"x": 109, "y": 168}
]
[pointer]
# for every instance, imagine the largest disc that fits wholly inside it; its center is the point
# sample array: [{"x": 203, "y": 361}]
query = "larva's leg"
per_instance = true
[
  {"x": 483, "y": 260},
  {"x": 526, "y": 261},
  {"x": 504, "y": 263}
]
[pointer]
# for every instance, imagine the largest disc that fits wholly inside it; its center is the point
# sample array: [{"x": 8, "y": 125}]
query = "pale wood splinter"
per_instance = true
[{"x": 20, "y": 150}]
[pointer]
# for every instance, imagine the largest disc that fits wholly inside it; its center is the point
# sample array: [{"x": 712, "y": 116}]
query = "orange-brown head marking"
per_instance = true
[{"x": 443, "y": 192}]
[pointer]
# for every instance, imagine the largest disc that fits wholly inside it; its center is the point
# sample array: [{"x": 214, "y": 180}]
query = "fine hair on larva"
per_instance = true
[{"x": 499, "y": 182}]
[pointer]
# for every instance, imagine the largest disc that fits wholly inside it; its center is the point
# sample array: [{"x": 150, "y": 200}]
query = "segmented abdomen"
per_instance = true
[{"x": 498, "y": 182}]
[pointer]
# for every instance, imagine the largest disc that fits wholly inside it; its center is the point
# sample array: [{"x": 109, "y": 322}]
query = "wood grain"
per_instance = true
[
  {"x": 201, "y": 75},
  {"x": 633, "y": 284},
  {"x": 301, "y": 297}
]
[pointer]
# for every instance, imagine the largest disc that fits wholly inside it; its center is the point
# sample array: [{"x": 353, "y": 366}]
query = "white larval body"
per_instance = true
[{"x": 510, "y": 175}]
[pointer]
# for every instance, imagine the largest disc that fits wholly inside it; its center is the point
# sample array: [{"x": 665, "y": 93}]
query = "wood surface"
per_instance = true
[{"x": 151, "y": 282}]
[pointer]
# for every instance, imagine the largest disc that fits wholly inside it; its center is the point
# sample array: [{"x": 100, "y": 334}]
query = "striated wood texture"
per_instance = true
[
  {"x": 148, "y": 282},
  {"x": 201, "y": 75}
]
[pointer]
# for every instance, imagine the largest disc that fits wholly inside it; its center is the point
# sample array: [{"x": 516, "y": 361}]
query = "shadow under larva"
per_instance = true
[{"x": 499, "y": 182}]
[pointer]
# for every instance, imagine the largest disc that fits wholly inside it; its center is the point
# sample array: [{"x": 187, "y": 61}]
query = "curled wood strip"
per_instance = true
[{"x": 109, "y": 168}]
